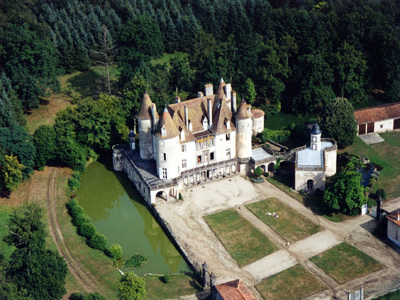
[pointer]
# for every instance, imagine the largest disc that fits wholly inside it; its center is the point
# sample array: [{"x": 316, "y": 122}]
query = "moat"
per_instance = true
[{"x": 119, "y": 212}]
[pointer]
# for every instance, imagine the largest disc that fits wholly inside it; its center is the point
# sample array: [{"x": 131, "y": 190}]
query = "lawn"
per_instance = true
[
  {"x": 315, "y": 202},
  {"x": 345, "y": 262},
  {"x": 178, "y": 285},
  {"x": 386, "y": 155},
  {"x": 290, "y": 225},
  {"x": 243, "y": 241},
  {"x": 293, "y": 283},
  {"x": 281, "y": 120}
]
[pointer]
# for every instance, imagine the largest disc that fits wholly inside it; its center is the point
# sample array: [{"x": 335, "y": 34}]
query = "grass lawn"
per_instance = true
[
  {"x": 165, "y": 59},
  {"x": 178, "y": 285},
  {"x": 282, "y": 120},
  {"x": 290, "y": 225},
  {"x": 345, "y": 262},
  {"x": 243, "y": 241},
  {"x": 293, "y": 283},
  {"x": 285, "y": 183},
  {"x": 386, "y": 155}
]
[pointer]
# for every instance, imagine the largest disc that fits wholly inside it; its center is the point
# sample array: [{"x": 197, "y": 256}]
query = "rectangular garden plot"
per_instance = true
[
  {"x": 293, "y": 283},
  {"x": 243, "y": 241},
  {"x": 345, "y": 262},
  {"x": 289, "y": 224}
]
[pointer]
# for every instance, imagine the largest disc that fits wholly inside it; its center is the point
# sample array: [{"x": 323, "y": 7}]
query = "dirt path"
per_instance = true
[{"x": 82, "y": 278}]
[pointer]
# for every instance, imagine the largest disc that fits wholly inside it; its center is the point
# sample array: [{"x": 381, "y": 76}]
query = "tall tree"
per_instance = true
[{"x": 131, "y": 287}]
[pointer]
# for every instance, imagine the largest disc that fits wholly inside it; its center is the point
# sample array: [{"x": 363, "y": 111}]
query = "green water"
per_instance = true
[{"x": 118, "y": 211}]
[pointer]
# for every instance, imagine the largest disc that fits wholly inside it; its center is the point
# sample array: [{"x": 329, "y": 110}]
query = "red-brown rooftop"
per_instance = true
[
  {"x": 394, "y": 217},
  {"x": 377, "y": 113},
  {"x": 235, "y": 290}
]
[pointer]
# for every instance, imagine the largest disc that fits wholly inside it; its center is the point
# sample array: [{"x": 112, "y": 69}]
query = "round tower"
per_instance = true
[
  {"x": 145, "y": 123},
  {"x": 243, "y": 131},
  {"x": 315, "y": 143},
  {"x": 167, "y": 148}
]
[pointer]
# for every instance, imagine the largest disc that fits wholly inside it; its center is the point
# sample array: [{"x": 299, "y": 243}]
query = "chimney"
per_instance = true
[
  {"x": 228, "y": 90},
  {"x": 233, "y": 101},
  {"x": 200, "y": 94},
  {"x": 209, "y": 110},
  {"x": 153, "y": 115},
  {"x": 177, "y": 99},
  {"x": 209, "y": 89},
  {"x": 186, "y": 117}
]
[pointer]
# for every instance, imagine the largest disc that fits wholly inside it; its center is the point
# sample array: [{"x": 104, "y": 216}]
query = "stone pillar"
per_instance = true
[
  {"x": 206, "y": 276},
  {"x": 213, "y": 278}
]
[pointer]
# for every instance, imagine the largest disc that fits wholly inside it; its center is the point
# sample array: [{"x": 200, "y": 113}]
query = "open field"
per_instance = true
[
  {"x": 386, "y": 155},
  {"x": 74, "y": 86},
  {"x": 345, "y": 262},
  {"x": 178, "y": 285},
  {"x": 290, "y": 225},
  {"x": 245, "y": 243},
  {"x": 293, "y": 283}
]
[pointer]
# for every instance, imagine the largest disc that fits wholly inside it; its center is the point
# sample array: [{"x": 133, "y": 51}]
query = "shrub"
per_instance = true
[
  {"x": 87, "y": 230},
  {"x": 258, "y": 172},
  {"x": 76, "y": 210},
  {"x": 72, "y": 202},
  {"x": 74, "y": 183},
  {"x": 381, "y": 193},
  {"x": 180, "y": 196},
  {"x": 91, "y": 296},
  {"x": 166, "y": 278},
  {"x": 136, "y": 261},
  {"x": 115, "y": 251},
  {"x": 81, "y": 219},
  {"x": 98, "y": 241}
]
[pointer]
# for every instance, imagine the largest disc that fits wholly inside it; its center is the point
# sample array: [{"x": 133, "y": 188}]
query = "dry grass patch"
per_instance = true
[
  {"x": 290, "y": 225},
  {"x": 293, "y": 283},
  {"x": 178, "y": 285},
  {"x": 345, "y": 262},
  {"x": 243, "y": 241}
]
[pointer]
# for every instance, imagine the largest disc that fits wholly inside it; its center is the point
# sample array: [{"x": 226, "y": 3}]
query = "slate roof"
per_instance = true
[
  {"x": 243, "y": 112},
  {"x": 145, "y": 108},
  {"x": 169, "y": 125},
  {"x": 257, "y": 113},
  {"x": 377, "y": 113},
  {"x": 393, "y": 217},
  {"x": 235, "y": 290}
]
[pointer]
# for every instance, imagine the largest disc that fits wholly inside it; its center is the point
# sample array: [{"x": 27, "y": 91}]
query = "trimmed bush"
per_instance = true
[
  {"x": 74, "y": 183},
  {"x": 87, "y": 230},
  {"x": 381, "y": 193},
  {"x": 91, "y": 296},
  {"x": 136, "y": 261},
  {"x": 76, "y": 210},
  {"x": 166, "y": 278},
  {"x": 81, "y": 219},
  {"x": 98, "y": 241},
  {"x": 115, "y": 251}
]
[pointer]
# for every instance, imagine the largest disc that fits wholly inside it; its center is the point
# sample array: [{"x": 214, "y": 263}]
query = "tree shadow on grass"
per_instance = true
[{"x": 88, "y": 84}]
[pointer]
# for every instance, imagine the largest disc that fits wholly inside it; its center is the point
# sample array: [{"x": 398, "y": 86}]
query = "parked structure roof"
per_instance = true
[
  {"x": 394, "y": 217},
  {"x": 377, "y": 113},
  {"x": 235, "y": 290}
]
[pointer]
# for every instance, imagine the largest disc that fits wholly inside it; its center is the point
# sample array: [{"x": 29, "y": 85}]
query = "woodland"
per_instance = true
[{"x": 292, "y": 56}]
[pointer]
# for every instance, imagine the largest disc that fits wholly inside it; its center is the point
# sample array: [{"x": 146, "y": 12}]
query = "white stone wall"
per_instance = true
[
  {"x": 258, "y": 125},
  {"x": 330, "y": 162},
  {"x": 171, "y": 148},
  {"x": 189, "y": 154},
  {"x": 383, "y": 126},
  {"x": 393, "y": 232},
  {"x": 221, "y": 146},
  {"x": 301, "y": 178},
  {"x": 145, "y": 139},
  {"x": 244, "y": 133}
]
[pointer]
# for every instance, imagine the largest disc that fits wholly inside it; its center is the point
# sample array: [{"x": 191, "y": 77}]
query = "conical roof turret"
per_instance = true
[
  {"x": 316, "y": 129},
  {"x": 220, "y": 94},
  {"x": 166, "y": 126},
  {"x": 244, "y": 111},
  {"x": 145, "y": 107}
]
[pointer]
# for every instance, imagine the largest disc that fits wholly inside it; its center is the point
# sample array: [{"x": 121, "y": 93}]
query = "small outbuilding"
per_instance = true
[
  {"x": 393, "y": 227},
  {"x": 381, "y": 118},
  {"x": 232, "y": 290}
]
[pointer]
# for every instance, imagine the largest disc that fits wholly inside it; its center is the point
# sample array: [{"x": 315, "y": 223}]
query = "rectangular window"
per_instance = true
[
  {"x": 183, "y": 163},
  {"x": 205, "y": 143},
  {"x": 198, "y": 145},
  {"x": 164, "y": 156},
  {"x": 199, "y": 159},
  {"x": 183, "y": 148},
  {"x": 314, "y": 139},
  {"x": 212, "y": 156},
  {"x": 228, "y": 153},
  {"x": 228, "y": 136},
  {"x": 212, "y": 142},
  {"x": 164, "y": 173}
]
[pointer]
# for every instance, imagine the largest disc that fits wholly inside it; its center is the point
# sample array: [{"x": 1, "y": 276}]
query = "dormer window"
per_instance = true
[
  {"x": 163, "y": 131},
  {"x": 183, "y": 136},
  {"x": 227, "y": 124},
  {"x": 205, "y": 123},
  {"x": 190, "y": 126}
]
